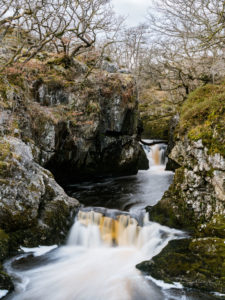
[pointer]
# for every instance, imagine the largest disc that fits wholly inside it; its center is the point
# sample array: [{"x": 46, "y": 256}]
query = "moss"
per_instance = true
[
  {"x": 196, "y": 263},
  {"x": 156, "y": 129},
  {"x": 156, "y": 112},
  {"x": 172, "y": 210},
  {"x": 4, "y": 245},
  {"x": 93, "y": 107},
  {"x": 5, "y": 280},
  {"x": 4, "y": 181},
  {"x": 215, "y": 228},
  {"x": 4, "y": 150},
  {"x": 210, "y": 173},
  {"x": 16, "y": 79},
  {"x": 3, "y": 88},
  {"x": 203, "y": 117},
  {"x": 64, "y": 61},
  {"x": 32, "y": 188},
  {"x": 5, "y": 169}
]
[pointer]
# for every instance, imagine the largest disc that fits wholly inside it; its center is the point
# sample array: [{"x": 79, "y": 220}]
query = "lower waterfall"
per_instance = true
[
  {"x": 104, "y": 245},
  {"x": 98, "y": 261}
]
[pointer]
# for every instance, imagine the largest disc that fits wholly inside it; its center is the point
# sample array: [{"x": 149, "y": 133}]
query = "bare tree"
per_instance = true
[
  {"x": 187, "y": 44},
  {"x": 130, "y": 47},
  {"x": 201, "y": 21},
  {"x": 69, "y": 26}
]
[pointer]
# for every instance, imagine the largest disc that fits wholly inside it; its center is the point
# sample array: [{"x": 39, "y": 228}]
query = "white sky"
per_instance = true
[{"x": 135, "y": 10}]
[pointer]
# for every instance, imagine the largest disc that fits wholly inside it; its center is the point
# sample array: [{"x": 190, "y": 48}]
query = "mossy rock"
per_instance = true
[
  {"x": 172, "y": 210},
  {"x": 5, "y": 280},
  {"x": 203, "y": 117},
  {"x": 215, "y": 228},
  {"x": 63, "y": 60},
  {"x": 156, "y": 129},
  {"x": 196, "y": 263},
  {"x": 4, "y": 244},
  {"x": 156, "y": 112}
]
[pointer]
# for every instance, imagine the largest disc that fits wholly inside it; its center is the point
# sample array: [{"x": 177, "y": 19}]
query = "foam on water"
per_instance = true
[
  {"x": 38, "y": 251},
  {"x": 103, "y": 247},
  {"x": 3, "y": 293},
  {"x": 98, "y": 261}
]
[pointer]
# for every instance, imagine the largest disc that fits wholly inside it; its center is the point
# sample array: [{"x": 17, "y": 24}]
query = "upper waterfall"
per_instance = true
[{"x": 156, "y": 154}]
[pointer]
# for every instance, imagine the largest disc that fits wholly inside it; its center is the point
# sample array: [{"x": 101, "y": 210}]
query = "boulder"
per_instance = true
[
  {"x": 196, "y": 199},
  {"x": 197, "y": 263},
  {"x": 33, "y": 207},
  {"x": 96, "y": 129}
]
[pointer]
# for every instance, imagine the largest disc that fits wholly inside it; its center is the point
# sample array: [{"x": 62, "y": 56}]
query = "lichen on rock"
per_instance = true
[
  {"x": 57, "y": 120},
  {"x": 30, "y": 197},
  {"x": 196, "y": 263},
  {"x": 195, "y": 201}
]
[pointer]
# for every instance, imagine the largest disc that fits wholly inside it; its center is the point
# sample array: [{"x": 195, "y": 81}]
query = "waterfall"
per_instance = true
[
  {"x": 94, "y": 229},
  {"x": 156, "y": 154},
  {"x": 99, "y": 260},
  {"x": 104, "y": 245}
]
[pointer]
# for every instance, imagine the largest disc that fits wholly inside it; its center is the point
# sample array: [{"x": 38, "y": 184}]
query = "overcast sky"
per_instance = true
[{"x": 134, "y": 9}]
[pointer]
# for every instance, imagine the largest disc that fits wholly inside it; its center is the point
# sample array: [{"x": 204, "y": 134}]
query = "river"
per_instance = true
[{"x": 111, "y": 234}]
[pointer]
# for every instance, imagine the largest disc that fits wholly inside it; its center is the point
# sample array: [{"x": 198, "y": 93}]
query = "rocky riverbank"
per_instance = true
[
  {"x": 195, "y": 201},
  {"x": 58, "y": 125}
]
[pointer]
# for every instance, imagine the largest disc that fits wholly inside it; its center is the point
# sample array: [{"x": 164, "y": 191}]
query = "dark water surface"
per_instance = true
[
  {"x": 124, "y": 193},
  {"x": 110, "y": 235}
]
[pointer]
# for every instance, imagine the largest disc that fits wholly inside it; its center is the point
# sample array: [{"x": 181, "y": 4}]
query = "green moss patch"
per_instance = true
[
  {"x": 156, "y": 112},
  {"x": 203, "y": 117},
  {"x": 172, "y": 209},
  {"x": 215, "y": 228},
  {"x": 4, "y": 245},
  {"x": 196, "y": 263},
  {"x": 156, "y": 129},
  {"x": 5, "y": 280}
]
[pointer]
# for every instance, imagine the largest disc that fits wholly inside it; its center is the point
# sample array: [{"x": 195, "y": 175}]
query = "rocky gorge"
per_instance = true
[
  {"x": 195, "y": 201},
  {"x": 56, "y": 121},
  {"x": 61, "y": 125}
]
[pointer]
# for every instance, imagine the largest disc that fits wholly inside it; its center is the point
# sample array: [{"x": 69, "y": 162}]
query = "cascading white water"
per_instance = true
[
  {"x": 103, "y": 247},
  {"x": 156, "y": 154},
  {"x": 98, "y": 261}
]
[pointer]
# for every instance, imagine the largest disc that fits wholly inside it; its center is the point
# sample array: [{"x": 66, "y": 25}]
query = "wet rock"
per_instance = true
[
  {"x": 5, "y": 281},
  {"x": 32, "y": 204},
  {"x": 171, "y": 164},
  {"x": 79, "y": 127},
  {"x": 197, "y": 263},
  {"x": 195, "y": 200},
  {"x": 110, "y": 67},
  {"x": 143, "y": 160},
  {"x": 98, "y": 134},
  {"x": 51, "y": 94},
  {"x": 197, "y": 190}
]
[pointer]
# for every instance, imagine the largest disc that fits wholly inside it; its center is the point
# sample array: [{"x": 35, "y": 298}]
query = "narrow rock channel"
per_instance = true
[{"x": 111, "y": 234}]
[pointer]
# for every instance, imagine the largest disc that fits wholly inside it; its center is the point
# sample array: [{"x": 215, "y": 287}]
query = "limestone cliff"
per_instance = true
[
  {"x": 196, "y": 199},
  {"x": 56, "y": 120}
]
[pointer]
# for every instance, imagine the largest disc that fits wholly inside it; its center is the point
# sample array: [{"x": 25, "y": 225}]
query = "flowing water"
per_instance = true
[{"x": 110, "y": 235}]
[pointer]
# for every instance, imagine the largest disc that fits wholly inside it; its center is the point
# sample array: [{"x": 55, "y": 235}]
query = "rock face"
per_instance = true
[
  {"x": 156, "y": 112},
  {"x": 171, "y": 164},
  {"x": 31, "y": 200},
  {"x": 198, "y": 189},
  {"x": 97, "y": 131},
  {"x": 196, "y": 199},
  {"x": 34, "y": 209},
  {"x": 54, "y": 118},
  {"x": 195, "y": 263}
]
